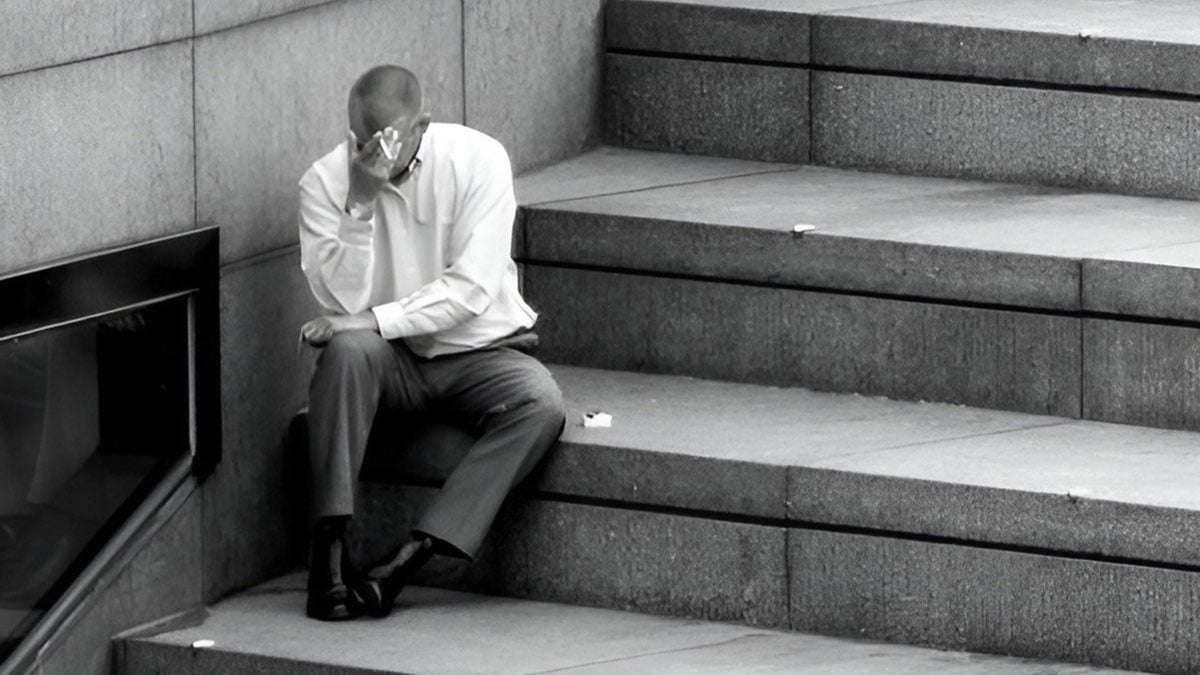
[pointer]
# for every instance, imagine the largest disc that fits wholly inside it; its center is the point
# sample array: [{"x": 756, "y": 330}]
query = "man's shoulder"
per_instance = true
[
  {"x": 333, "y": 166},
  {"x": 458, "y": 141}
]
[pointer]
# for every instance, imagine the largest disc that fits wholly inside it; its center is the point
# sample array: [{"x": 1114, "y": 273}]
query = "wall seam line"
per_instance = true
[
  {"x": 1083, "y": 364},
  {"x": 810, "y": 153},
  {"x": 195, "y": 127},
  {"x": 462, "y": 36},
  {"x": 231, "y": 266},
  {"x": 788, "y": 478},
  {"x": 191, "y": 36}
]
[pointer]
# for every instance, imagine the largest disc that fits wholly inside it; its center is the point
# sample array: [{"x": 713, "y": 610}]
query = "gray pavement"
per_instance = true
[{"x": 437, "y": 631}]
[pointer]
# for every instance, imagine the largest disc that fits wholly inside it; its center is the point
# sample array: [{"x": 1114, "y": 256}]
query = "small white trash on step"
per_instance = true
[{"x": 597, "y": 420}]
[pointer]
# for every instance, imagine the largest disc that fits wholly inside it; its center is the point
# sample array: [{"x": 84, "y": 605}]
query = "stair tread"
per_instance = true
[
  {"x": 1030, "y": 219},
  {"x": 795, "y": 427},
  {"x": 441, "y": 631},
  {"x": 792, "y": 457},
  {"x": 952, "y": 239}
]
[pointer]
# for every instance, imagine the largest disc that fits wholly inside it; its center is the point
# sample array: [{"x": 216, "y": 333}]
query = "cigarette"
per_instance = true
[{"x": 387, "y": 151}]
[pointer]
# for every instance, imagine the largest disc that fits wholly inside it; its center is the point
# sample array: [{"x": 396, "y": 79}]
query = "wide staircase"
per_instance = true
[{"x": 896, "y": 311}]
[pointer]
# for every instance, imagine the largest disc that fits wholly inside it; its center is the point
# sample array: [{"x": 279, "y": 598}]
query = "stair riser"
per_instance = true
[
  {"x": 908, "y": 125},
  {"x": 1033, "y": 56},
  {"x": 707, "y": 108},
  {"x": 905, "y": 350},
  {"x": 1105, "y": 370},
  {"x": 874, "y": 587},
  {"x": 995, "y": 601},
  {"x": 141, "y": 657},
  {"x": 816, "y": 259},
  {"x": 1044, "y": 521},
  {"x": 1100, "y": 142},
  {"x": 604, "y": 557},
  {"x": 1140, "y": 373},
  {"x": 1067, "y": 45},
  {"x": 729, "y": 32}
]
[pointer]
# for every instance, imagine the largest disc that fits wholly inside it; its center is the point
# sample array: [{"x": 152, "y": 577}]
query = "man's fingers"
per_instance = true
[
  {"x": 317, "y": 339},
  {"x": 316, "y": 332},
  {"x": 376, "y": 166}
]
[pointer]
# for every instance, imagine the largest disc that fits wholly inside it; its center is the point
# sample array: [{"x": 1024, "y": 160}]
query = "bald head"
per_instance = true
[{"x": 384, "y": 96}]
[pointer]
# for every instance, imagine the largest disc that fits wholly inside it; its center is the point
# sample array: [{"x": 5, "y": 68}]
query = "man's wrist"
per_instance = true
[
  {"x": 370, "y": 321},
  {"x": 360, "y": 210}
]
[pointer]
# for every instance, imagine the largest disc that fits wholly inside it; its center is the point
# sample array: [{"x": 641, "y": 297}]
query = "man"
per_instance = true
[{"x": 405, "y": 233}]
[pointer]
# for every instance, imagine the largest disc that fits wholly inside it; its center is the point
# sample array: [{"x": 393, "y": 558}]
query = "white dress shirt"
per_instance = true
[{"x": 434, "y": 261}]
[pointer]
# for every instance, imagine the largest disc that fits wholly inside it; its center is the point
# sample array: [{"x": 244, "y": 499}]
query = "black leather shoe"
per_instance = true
[
  {"x": 330, "y": 575},
  {"x": 376, "y": 593}
]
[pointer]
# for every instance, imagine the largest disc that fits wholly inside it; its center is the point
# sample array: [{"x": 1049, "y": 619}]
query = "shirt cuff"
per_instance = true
[{"x": 391, "y": 319}]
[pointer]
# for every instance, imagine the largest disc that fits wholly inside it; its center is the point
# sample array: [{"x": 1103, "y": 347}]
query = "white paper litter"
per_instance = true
[
  {"x": 800, "y": 229},
  {"x": 597, "y": 419},
  {"x": 203, "y": 644}
]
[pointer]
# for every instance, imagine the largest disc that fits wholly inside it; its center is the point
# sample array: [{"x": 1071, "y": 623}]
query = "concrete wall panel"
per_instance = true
[
  {"x": 95, "y": 154},
  {"x": 264, "y": 381},
  {"x": 271, "y": 99},
  {"x": 37, "y": 33},
  {"x": 215, "y": 15},
  {"x": 162, "y": 579},
  {"x": 533, "y": 75}
]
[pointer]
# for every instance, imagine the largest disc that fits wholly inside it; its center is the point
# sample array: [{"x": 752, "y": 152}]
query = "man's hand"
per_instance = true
[
  {"x": 321, "y": 330},
  {"x": 371, "y": 167}
]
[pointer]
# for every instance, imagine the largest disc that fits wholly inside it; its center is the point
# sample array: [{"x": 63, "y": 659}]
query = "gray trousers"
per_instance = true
[{"x": 508, "y": 398}]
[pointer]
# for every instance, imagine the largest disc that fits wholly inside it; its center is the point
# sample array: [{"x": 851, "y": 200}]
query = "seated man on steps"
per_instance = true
[{"x": 405, "y": 233}]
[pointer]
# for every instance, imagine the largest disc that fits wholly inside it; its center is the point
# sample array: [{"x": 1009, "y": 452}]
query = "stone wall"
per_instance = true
[{"x": 129, "y": 120}]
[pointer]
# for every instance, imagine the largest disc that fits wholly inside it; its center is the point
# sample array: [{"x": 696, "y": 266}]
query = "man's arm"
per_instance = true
[
  {"x": 337, "y": 250},
  {"x": 336, "y": 239},
  {"x": 321, "y": 330},
  {"x": 480, "y": 251}
]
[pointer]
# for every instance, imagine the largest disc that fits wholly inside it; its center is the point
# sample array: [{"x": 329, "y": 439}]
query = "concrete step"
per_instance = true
[
  {"x": 1078, "y": 93},
  {"x": 924, "y": 524},
  {"x": 1033, "y": 299},
  {"x": 1148, "y": 46},
  {"x": 263, "y": 631}
]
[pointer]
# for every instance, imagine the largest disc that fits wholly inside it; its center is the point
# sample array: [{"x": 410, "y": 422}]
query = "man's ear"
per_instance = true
[{"x": 422, "y": 123}]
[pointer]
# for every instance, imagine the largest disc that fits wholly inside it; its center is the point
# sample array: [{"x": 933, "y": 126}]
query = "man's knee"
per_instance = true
[
  {"x": 353, "y": 348},
  {"x": 546, "y": 402},
  {"x": 531, "y": 399}
]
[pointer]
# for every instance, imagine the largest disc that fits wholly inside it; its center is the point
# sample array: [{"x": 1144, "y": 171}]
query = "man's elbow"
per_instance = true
[{"x": 476, "y": 299}]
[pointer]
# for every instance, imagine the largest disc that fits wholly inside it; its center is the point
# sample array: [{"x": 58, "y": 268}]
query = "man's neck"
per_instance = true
[{"x": 404, "y": 173}]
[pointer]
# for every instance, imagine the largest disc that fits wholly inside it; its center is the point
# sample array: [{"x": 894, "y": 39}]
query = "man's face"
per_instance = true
[{"x": 407, "y": 129}]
